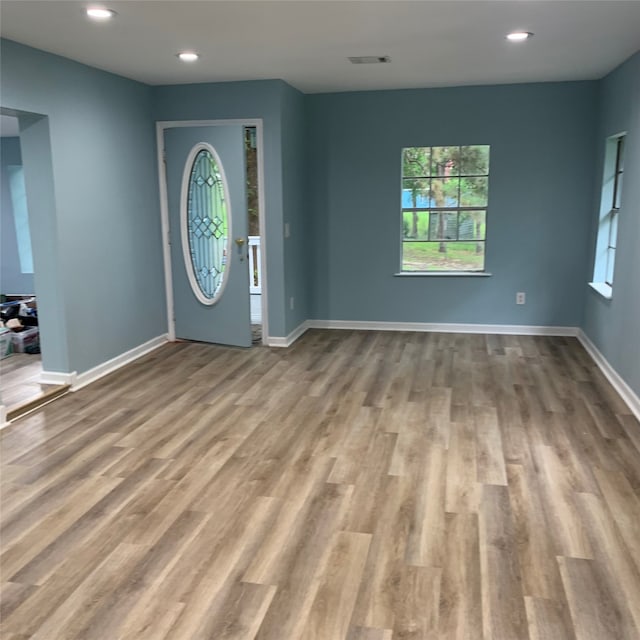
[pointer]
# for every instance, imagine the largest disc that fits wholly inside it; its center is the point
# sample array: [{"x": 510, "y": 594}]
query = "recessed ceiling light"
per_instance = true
[
  {"x": 188, "y": 56},
  {"x": 99, "y": 13},
  {"x": 519, "y": 36}
]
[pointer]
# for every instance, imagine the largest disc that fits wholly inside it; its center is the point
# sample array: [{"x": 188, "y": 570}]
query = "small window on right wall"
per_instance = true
[{"x": 610, "y": 204}]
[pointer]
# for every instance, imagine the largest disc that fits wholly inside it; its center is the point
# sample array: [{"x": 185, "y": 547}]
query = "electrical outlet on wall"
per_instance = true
[
  {"x": 287, "y": 230},
  {"x": 520, "y": 297},
  {"x": 291, "y": 303}
]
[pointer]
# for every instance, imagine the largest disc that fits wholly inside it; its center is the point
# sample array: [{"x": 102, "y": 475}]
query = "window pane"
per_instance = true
[
  {"x": 443, "y": 225},
  {"x": 611, "y": 260},
  {"x": 474, "y": 192},
  {"x": 415, "y": 193},
  {"x": 613, "y": 229},
  {"x": 621, "y": 153},
  {"x": 474, "y": 160},
  {"x": 442, "y": 256},
  {"x": 618, "y": 191},
  {"x": 472, "y": 225},
  {"x": 445, "y": 161},
  {"x": 18, "y": 194},
  {"x": 444, "y": 192},
  {"x": 416, "y": 161},
  {"x": 417, "y": 256},
  {"x": 415, "y": 225}
]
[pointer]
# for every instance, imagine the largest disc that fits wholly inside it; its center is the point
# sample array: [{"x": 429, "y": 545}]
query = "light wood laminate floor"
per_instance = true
[
  {"x": 19, "y": 378},
  {"x": 358, "y": 485},
  {"x": 20, "y": 386}
]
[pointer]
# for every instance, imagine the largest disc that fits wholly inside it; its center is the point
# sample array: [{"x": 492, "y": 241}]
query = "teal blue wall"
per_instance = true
[
  {"x": 35, "y": 142},
  {"x": 12, "y": 280},
  {"x": 263, "y": 99},
  {"x": 540, "y": 201},
  {"x": 614, "y": 325},
  {"x": 298, "y": 258},
  {"x": 332, "y": 166},
  {"x": 104, "y": 275}
]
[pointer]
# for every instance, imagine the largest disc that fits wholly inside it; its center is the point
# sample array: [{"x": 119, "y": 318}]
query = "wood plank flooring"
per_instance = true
[
  {"x": 20, "y": 387},
  {"x": 356, "y": 486}
]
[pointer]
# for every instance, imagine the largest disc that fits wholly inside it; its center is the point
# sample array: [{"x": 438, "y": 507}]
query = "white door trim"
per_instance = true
[{"x": 164, "y": 210}]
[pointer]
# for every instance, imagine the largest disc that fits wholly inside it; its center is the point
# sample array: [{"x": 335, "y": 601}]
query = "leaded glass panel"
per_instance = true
[{"x": 207, "y": 223}]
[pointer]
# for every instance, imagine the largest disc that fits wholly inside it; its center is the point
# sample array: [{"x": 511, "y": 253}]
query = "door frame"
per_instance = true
[{"x": 164, "y": 211}]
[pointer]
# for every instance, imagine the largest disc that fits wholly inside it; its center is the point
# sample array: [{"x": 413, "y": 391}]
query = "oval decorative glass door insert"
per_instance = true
[{"x": 205, "y": 223}]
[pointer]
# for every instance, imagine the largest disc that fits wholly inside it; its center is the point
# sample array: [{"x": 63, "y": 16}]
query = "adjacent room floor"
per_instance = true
[
  {"x": 20, "y": 386},
  {"x": 358, "y": 485}
]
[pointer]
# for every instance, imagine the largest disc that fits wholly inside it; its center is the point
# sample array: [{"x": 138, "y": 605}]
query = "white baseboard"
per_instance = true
[
  {"x": 56, "y": 377},
  {"x": 87, "y": 377},
  {"x": 506, "y": 329},
  {"x": 287, "y": 341},
  {"x": 367, "y": 325},
  {"x": 623, "y": 389}
]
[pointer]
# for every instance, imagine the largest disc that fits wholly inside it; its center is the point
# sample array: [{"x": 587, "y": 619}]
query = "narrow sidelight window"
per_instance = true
[{"x": 610, "y": 208}]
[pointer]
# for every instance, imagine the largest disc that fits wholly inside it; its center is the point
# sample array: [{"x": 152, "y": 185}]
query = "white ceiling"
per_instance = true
[{"x": 306, "y": 43}]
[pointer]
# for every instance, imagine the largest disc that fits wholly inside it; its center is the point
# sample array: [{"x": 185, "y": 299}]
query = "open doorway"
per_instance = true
[
  {"x": 20, "y": 356},
  {"x": 255, "y": 244}
]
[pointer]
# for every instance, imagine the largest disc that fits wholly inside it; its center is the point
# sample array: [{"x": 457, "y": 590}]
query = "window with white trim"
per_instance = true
[
  {"x": 18, "y": 193},
  {"x": 610, "y": 204},
  {"x": 444, "y": 208}
]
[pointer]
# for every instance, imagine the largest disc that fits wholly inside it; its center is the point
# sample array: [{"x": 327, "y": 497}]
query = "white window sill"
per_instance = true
[
  {"x": 605, "y": 290},
  {"x": 448, "y": 274}
]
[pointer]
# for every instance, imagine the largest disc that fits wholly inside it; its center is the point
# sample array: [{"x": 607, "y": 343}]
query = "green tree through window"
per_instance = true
[{"x": 444, "y": 208}]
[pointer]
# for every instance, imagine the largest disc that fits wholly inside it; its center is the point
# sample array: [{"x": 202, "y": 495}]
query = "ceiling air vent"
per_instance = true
[{"x": 369, "y": 59}]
